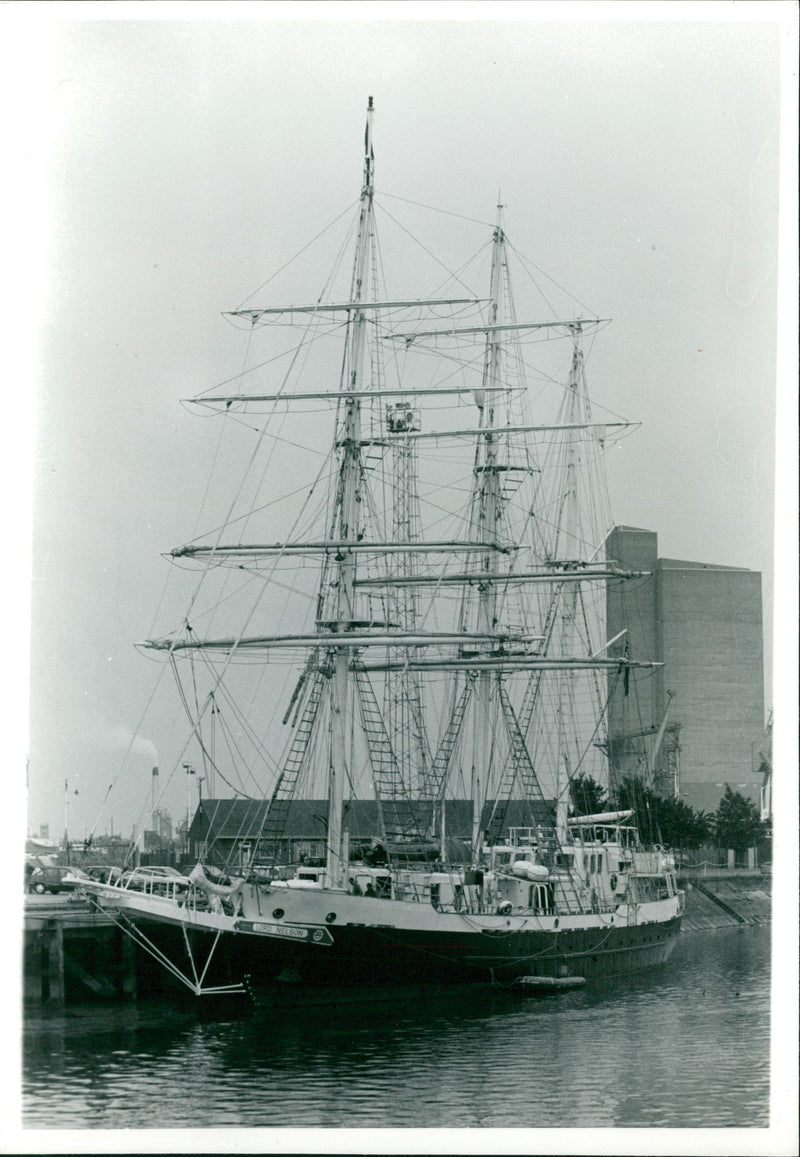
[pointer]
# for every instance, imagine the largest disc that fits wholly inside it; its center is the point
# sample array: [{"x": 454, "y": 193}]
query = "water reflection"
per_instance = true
[{"x": 635, "y": 1052}]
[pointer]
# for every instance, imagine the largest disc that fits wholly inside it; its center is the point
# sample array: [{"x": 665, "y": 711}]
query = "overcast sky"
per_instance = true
[{"x": 186, "y": 160}]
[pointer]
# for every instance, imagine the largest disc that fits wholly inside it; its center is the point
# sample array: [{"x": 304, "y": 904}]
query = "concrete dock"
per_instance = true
[{"x": 722, "y": 899}]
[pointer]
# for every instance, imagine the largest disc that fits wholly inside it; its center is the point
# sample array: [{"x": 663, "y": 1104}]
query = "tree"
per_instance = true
[
  {"x": 681, "y": 826},
  {"x": 663, "y": 819},
  {"x": 588, "y": 796},
  {"x": 737, "y": 823}
]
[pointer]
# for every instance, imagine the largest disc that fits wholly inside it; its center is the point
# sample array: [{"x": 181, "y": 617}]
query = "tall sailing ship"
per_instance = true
[{"x": 449, "y": 565}]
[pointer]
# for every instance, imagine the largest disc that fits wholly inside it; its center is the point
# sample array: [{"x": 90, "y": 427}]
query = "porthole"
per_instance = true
[
  {"x": 329, "y": 919},
  {"x": 277, "y": 913}
]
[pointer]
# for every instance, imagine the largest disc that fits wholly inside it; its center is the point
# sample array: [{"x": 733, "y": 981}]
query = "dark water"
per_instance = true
[{"x": 685, "y": 1045}]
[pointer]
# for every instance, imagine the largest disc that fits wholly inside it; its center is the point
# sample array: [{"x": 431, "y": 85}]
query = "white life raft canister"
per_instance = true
[{"x": 529, "y": 871}]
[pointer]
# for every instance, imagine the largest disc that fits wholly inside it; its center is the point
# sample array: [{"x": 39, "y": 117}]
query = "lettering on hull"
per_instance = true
[{"x": 307, "y": 934}]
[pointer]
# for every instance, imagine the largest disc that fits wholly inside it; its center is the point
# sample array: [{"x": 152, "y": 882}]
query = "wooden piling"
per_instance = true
[
  {"x": 53, "y": 971},
  {"x": 73, "y": 953},
  {"x": 126, "y": 958}
]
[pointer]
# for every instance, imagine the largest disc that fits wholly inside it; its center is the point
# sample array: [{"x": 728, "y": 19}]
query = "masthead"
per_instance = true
[{"x": 369, "y": 154}]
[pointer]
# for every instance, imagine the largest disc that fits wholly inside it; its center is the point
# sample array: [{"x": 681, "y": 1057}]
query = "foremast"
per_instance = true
[{"x": 346, "y": 514}]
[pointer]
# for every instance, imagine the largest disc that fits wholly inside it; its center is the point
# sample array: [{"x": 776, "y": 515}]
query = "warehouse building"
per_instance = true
[{"x": 693, "y": 724}]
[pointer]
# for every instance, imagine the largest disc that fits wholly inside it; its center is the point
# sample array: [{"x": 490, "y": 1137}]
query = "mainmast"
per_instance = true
[
  {"x": 488, "y": 515},
  {"x": 347, "y": 513}
]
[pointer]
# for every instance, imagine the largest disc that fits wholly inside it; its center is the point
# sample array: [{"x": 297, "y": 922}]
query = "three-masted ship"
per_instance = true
[{"x": 452, "y": 647}]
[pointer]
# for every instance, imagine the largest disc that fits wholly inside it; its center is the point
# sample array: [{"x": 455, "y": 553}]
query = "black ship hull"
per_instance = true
[{"x": 370, "y": 962}]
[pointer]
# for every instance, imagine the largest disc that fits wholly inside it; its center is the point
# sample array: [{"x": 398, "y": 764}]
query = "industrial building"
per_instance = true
[{"x": 693, "y": 724}]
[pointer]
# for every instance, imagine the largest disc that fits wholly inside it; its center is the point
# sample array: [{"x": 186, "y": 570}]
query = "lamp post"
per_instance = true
[
  {"x": 66, "y": 817},
  {"x": 187, "y": 767}
]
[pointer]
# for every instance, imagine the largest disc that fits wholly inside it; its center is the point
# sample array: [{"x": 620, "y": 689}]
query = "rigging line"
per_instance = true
[
  {"x": 460, "y": 358},
  {"x": 303, "y": 345},
  {"x": 462, "y": 516},
  {"x": 239, "y": 791},
  {"x": 128, "y": 749},
  {"x": 440, "y": 354},
  {"x": 183, "y": 752},
  {"x": 283, "y": 418},
  {"x": 525, "y": 261},
  {"x": 195, "y": 732},
  {"x": 218, "y": 448},
  {"x": 167, "y": 782},
  {"x": 211, "y": 608},
  {"x": 264, "y": 433},
  {"x": 231, "y": 508},
  {"x": 381, "y": 273},
  {"x": 457, "y": 486},
  {"x": 258, "y": 509},
  {"x": 258, "y": 576},
  {"x": 159, "y": 604},
  {"x": 236, "y": 754},
  {"x": 199, "y": 515},
  {"x": 344, "y": 248},
  {"x": 434, "y": 209},
  {"x": 257, "y": 688},
  {"x": 540, "y": 374},
  {"x": 306, "y": 340},
  {"x": 212, "y": 828},
  {"x": 579, "y": 538},
  {"x": 241, "y": 833},
  {"x": 197, "y": 708},
  {"x": 244, "y": 723},
  {"x": 603, "y": 407},
  {"x": 540, "y": 291},
  {"x": 248, "y": 824},
  {"x": 308, "y": 244},
  {"x": 220, "y": 676},
  {"x": 449, "y": 272},
  {"x": 460, "y": 362},
  {"x": 587, "y": 749},
  {"x": 465, "y": 310}
]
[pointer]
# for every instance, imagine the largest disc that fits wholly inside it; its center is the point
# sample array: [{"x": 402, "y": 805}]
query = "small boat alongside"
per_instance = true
[{"x": 540, "y": 984}]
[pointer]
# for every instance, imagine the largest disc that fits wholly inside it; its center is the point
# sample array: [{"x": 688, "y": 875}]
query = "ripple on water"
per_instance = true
[{"x": 682, "y": 1046}]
